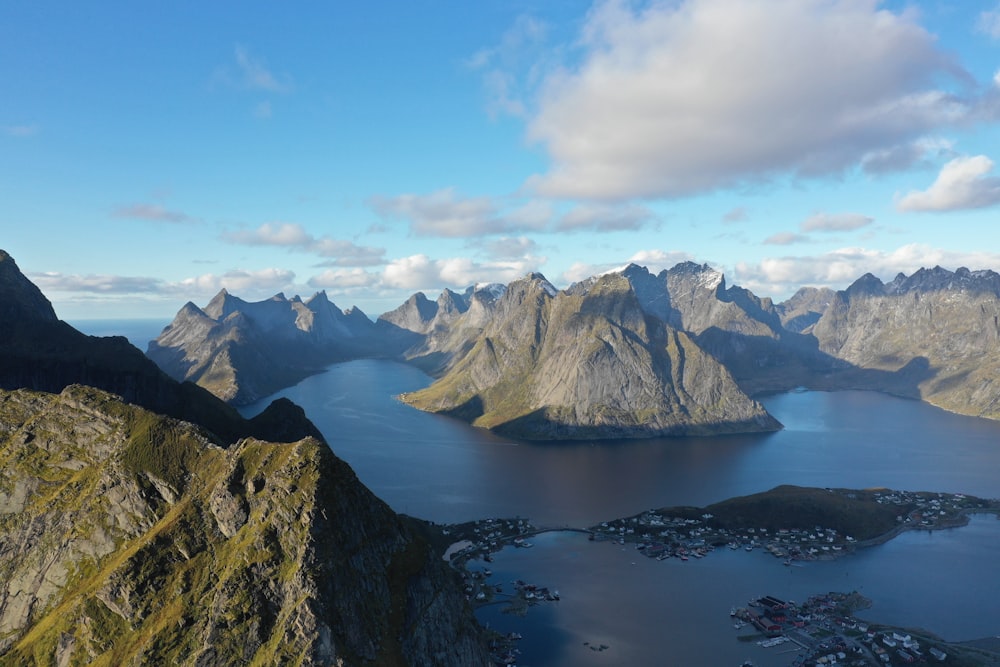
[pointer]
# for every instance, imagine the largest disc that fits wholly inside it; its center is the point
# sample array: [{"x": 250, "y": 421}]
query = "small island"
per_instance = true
[{"x": 792, "y": 523}]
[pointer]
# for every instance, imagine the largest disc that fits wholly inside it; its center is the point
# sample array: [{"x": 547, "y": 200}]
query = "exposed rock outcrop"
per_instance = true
[
  {"x": 39, "y": 351},
  {"x": 241, "y": 351},
  {"x": 128, "y": 538},
  {"x": 935, "y": 334},
  {"x": 588, "y": 363}
]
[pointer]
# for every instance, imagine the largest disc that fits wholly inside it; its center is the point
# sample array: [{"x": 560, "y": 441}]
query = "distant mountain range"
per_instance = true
[
  {"x": 623, "y": 354},
  {"x": 145, "y": 522}
]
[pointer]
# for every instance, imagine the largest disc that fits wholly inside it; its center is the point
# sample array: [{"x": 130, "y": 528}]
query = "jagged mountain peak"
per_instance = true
[
  {"x": 535, "y": 278},
  {"x": 320, "y": 301},
  {"x": 222, "y": 304},
  {"x": 867, "y": 284},
  {"x": 705, "y": 276},
  {"x": 19, "y": 297},
  {"x": 939, "y": 278},
  {"x": 138, "y": 551},
  {"x": 489, "y": 291}
]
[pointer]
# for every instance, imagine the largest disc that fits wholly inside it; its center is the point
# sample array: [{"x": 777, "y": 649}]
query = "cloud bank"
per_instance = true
[
  {"x": 963, "y": 183},
  {"x": 675, "y": 98}
]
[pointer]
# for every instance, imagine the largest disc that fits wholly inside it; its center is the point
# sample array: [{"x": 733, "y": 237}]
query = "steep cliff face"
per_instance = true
[
  {"x": 434, "y": 335},
  {"x": 588, "y": 363},
  {"x": 129, "y": 538},
  {"x": 804, "y": 308},
  {"x": 739, "y": 329},
  {"x": 38, "y": 351},
  {"x": 241, "y": 351},
  {"x": 935, "y": 333}
]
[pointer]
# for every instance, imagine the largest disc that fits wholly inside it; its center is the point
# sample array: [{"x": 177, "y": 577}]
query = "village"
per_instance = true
[
  {"x": 823, "y": 631},
  {"x": 662, "y": 534}
]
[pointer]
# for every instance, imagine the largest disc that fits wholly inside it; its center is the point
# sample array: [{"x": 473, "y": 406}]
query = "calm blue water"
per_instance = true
[
  {"x": 650, "y": 612},
  {"x": 441, "y": 469},
  {"x": 671, "y": 613},
  {"x": 674, "y": 613}
]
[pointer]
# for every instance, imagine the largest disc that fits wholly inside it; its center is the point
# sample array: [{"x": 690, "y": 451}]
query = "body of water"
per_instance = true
[
  {"x": 649, "y": 612},
  {"x": 441, "y": 469}
]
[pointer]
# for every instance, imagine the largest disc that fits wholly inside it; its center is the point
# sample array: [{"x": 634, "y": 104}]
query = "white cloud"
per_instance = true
[
  {"x": 963, "y": 183},
  {"x": 445, "y": 213},
  {"x": 419, "y": 272},
  {"x": 582, "y": 270},
  {"x": 654, "y": 260},
  {"x": 272, "y": 233},
  {"x": 605, "y": 218},
  {"x": 343, "y": 279},
  {"x": 835, "y": 222},
  {"x": 989, "y": 22},
  {"x": 240, "y": 281},
  {"x": 294, "y": 236},
  {"x": 785, "y": 238},
  {"x": 255, "y": 75},
  {"x": 781, "y": 276},
  {"x": 21, "y": 131},
  {"x": 504, "y": 81},
  {"x": 153, "y": 212},
  {"x": 95, "y": 283},
  {"x": 658, "y": 260},
  {"x": 510, "y": 247},
  {"x": 905, "y": 156},
  {"x": 674, "y": 98}
]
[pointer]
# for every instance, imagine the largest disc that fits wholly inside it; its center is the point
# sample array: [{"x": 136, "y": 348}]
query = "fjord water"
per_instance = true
[
  {"x": 440, "y": 469},
  {"x": 672, "y": 613}
]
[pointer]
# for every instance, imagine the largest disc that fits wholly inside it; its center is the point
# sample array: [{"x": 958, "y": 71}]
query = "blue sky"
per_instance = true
[{"x": 153, "y": 153}]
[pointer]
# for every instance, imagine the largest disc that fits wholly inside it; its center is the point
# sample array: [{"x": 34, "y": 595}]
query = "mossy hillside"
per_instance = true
[
  {"x": 167, "y": 584},
  {"x": 856, "y": 513},
  {"x": 250, "y": 555}
]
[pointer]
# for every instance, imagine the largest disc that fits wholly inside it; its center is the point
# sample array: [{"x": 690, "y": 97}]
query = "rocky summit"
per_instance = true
[
  {"x": 934, "y": 335},
  {"x": 242, "y": 351},
  {"x": 156, "y": 526},
  {"x": 548, "y": 363},
  {"x": 588, "y": 363},
  {"x": 129, "y": 538}
]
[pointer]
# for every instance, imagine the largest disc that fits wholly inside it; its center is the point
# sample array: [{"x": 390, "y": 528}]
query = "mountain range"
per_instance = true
[
  {"x": 627, "y": 353},
  {"x": 144, "y": 521}
]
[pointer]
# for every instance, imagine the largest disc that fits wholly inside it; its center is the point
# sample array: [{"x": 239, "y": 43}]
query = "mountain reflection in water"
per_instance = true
[{"x": 441, "y": 469}]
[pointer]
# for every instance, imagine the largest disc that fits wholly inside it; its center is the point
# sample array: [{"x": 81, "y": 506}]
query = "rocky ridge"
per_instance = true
[
  {"x": 818, "y": 339},
  {"x": 242, "y": 351},
  {"x": 934, "y": 334},
  {"x": 39, "y": 351},
  {"x": 130, "y": 538},
  {"x": 586, "y": 363},
  {"x": 178, "y": 535}
]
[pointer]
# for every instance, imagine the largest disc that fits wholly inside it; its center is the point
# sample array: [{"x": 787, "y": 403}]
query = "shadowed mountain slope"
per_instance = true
[
  {"x": 937, "y": 331},
  {"x": 242, "y": 351}
]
